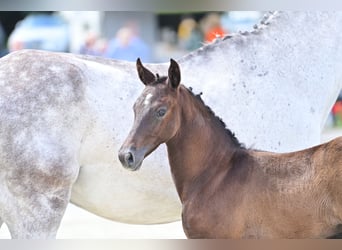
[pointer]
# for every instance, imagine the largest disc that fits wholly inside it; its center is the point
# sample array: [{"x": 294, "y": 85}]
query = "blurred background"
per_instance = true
[
  {"x": 119, "y": 35},
  {"x": 125, "y": 35}
]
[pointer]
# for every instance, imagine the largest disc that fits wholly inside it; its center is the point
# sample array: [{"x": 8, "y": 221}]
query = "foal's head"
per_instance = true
[{"x": 156, "y": 115}]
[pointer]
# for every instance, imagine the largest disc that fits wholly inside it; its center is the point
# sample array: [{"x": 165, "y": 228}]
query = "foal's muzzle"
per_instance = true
[{"x": 131, "y": 158}]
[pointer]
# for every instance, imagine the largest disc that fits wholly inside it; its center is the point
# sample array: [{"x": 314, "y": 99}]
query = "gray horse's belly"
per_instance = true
[{"x": 119, "y": 195}]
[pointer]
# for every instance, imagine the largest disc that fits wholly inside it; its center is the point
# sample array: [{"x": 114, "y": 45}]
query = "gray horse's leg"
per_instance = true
[
  {"x": 35, "y": 200},
  {"x": 39, "y": 216}
]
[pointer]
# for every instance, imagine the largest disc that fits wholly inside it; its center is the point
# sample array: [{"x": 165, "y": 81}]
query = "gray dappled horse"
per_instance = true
[{"x": 63, "y": 118}]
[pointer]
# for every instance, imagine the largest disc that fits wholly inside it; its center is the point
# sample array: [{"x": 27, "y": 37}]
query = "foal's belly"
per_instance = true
[
  {"x": 203, "y": 221},
  {"x": 237, "y": 231}
]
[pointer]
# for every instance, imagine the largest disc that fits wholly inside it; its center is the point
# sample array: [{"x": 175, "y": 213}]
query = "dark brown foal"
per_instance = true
[{"x": 228, "y": 191}]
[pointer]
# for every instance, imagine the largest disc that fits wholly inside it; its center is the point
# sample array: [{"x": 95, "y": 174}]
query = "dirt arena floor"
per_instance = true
[{"x": 80, "y": 224}]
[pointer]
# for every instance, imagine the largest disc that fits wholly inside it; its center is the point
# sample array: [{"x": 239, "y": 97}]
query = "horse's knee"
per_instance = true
[
  {"x": 36, "y": 201},
  {"x": 38, "y": 215},
  {"x": 37, "y": 191}
]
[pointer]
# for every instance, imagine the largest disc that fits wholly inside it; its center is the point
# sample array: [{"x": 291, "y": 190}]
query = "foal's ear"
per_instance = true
[
  {"x": 174, "y": 74},
  {"x": 146, "y": 76}
]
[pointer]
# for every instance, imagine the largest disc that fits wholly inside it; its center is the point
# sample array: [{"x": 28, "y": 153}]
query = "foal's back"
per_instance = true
[{"x": 270, "y": 195}]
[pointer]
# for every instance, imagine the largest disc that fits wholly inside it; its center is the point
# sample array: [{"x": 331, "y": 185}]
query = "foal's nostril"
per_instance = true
[
  {"x": 126, "y": 159},
  {"x": 129, "y": 159}
]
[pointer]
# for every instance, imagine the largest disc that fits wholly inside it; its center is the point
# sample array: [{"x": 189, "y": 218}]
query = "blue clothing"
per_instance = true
[{"x": 136, "y": 48}]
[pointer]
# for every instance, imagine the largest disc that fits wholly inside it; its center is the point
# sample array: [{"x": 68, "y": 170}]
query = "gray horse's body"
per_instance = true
[{"x": 63, "y": 117}]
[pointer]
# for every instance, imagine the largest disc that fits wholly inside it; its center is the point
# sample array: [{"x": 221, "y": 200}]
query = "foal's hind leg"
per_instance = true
[{"x": 36, "y": 200}]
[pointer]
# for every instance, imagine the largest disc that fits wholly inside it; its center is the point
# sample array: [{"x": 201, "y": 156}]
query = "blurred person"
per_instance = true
[
  {"x": 189, "y": 35},
  {"x": 127, "y": 45},
  {"x": 88, "y": 48},
  {"x": 167, "y": 47},
  {"x": 212, "y": 28},
  {"x": 101, "y": 46},
  {"x": 336, "y": 111},
  {"x": 16, "y": 45}
]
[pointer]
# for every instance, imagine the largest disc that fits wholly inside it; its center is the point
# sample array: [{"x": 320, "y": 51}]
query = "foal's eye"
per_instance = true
[{"x": 161, "y": 112}]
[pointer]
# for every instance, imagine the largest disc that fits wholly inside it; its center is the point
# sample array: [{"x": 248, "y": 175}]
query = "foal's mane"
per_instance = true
[{"x": 199, "y": 100}]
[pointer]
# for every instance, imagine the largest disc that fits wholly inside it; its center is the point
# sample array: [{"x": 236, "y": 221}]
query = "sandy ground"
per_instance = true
[{"x": 80, "y": 224}]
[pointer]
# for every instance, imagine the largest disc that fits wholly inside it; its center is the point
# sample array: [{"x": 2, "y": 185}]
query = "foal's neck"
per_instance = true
[{"x": 201, "y": 147}]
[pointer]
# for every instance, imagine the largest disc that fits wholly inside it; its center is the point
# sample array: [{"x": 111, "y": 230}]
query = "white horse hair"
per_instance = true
[{"x": 64, "y": 116}]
